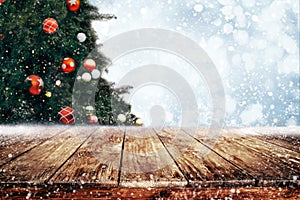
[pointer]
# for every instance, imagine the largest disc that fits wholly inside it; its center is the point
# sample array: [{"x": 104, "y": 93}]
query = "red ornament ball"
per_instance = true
[
  {"x": 67, "y": 115},
  {"x": 89, "y": 64},
  {"x": 73, "y": 5},
  {"x": 68, "y": 65},
  {"x": 93, "y": 119},
  {"x": 50, "y": 25},
  {"x": 37, "y": 84},
  {"x": 2, "y": 1}
]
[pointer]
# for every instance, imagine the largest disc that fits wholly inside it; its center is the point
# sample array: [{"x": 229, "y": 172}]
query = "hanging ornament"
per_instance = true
[
  {"x": 48, "y": 94},
  {"x": 67, "y": 115},
  {"x": 93, "y": 119},
  {"x": 73, "y": 5},
  {"x": 50, "y": 25},
  {"x": 139, "y": 122},
  {"x": 2, "y": 1},
  {"x": 121, "y": 118},
  {"x": 86, "y": 77},
  {"x": 68, "y": 65},
  {"x": 96, "y": 74},
  {"x": 81, "y": 37},
  {"x": 89, "y": 64},
  {"x": 1, "y": 36},
  {"x": 37, "y": 84}
]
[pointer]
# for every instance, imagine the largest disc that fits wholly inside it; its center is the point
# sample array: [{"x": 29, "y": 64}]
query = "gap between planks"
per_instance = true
[
  {"x": 97, "y": 161},
  {"x": 50, "y": 177},
  {"x": 38, "y": 164},
  {"x": 146, "y": 163},
  {"x": 147, "y": 182},
  {"x": 30, "y": 147},
  {"x": 280, "y": 172},
  {"x": 200, "y": 163}
]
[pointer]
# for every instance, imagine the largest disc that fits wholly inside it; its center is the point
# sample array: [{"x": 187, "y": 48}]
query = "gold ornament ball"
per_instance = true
[
  {"x": 139, "y": 122},
  {"x": 48, "y": 94}
]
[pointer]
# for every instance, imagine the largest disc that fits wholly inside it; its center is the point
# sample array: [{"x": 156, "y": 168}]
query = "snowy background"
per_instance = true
[{"x": 253, "y": 43}]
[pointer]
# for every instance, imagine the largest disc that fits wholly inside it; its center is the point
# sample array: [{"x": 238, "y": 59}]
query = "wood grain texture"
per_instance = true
[
  {"x": 288, "y": 160},
  {"x": 40, "y": 163},
  {"x": 290, "y": 142},
  {"x": 200, "y": 165},
  {"x": 285, "y": 137},
  {"x": 10, "y": 135},
  {"x": 144, "y": 157},
  {"x": 19, "y": 139},
  {"x": 61, "y": 192},
  {"x": 146, "y": 163},
  {"x": 293, "y": 130},
  {"x": 96, "y": 161},
  {"x": 243, "y": 153},
  {"x": 283, "y": 156}
]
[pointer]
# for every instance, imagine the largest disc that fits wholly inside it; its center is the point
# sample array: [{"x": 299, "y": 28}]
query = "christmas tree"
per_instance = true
[{"x": 43, "y": 44}]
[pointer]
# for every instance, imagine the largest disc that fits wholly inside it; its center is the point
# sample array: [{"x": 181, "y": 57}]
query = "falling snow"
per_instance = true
[{"x": 254, "y": 45}]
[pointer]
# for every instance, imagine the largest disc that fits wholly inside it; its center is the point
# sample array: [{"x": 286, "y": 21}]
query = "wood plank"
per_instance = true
[
  {"x": 96, "y": 161},
  {"x": 236, "y": 150},
  {"x": 270, "y": 167},
  {"x": 20, "y": 139},
  {"x": 289, "y": 160},
  {"x": 37, "y": 165},
  {"x": 146, "y": 163},
  {"x": 292, "y": 130},
  {"x": 230, "y": 193},
  {"x": 291, "y": 142},
  {"x": 9, "y": 135},
  {"x": 200, "y": 165},
  {"x": 72, "y": 192},
  {"x": 285, "y": 137},
  {"x": 286, "y": 159}
]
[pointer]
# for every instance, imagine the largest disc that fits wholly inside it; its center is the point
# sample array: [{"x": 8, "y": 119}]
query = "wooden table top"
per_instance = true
[{"x": 149, "y": 159}]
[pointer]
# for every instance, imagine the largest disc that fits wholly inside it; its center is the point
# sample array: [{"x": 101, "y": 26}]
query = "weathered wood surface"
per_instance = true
[
  {"x": 288, "y": 160},
  {"x": 290, "y": 142},
  {"x": 284, "y": 137},
  {"x": 200, "y": 164},
  {"x": 96, "y": 161},
  {"x": 16, "y": 141},
  {"x": 146, "y": 162},
  {"x": 261, "y": 159},
  {"x": 263, "y": 193},
  {"x": 38, "y": 164},
  {"x": 259, "y": 165},
  {"x": 285, "y": 151},
  {"x": 293, "y": 130},
  {"x": 145, "y": 157}
]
